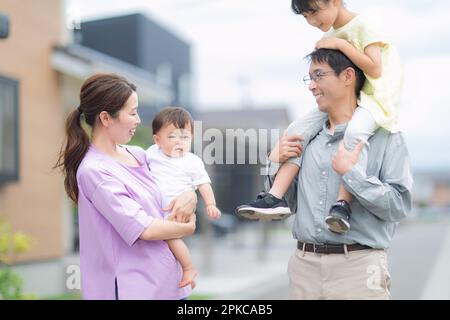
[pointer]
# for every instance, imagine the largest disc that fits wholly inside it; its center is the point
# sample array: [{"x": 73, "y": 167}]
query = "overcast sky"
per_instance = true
[{"x": 254, "y": 49}]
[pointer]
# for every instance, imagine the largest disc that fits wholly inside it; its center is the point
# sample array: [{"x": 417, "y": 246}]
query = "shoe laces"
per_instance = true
[{"x": 261, "y": 195}]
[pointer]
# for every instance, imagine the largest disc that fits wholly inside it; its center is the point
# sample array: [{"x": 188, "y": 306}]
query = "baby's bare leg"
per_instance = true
[
  {"x": 286, "y": 174},
  {"x": 181, "y": 252}
]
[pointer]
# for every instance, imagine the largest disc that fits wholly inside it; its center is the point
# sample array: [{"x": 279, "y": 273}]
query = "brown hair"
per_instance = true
[
  {"x": 177, "y": 116},
  {"x": 100, "y": 92}
]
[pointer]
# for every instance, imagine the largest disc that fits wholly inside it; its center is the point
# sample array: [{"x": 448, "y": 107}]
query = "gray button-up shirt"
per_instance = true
[{"x": 381, "y": 197}]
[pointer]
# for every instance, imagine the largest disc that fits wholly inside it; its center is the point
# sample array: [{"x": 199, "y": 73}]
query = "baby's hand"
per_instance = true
[
  {"x": 329, "y": 43},
  {"x": 213, "y": 212}
]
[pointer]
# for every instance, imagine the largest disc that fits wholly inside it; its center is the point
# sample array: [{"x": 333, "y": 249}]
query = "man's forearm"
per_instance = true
[{"x": 389, "y": 200}]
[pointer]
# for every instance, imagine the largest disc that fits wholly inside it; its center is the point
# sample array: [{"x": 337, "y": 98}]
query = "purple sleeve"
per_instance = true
[{"x": 113, "y": 201}]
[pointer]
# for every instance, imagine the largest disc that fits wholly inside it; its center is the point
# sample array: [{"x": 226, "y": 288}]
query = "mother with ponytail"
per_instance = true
[{"x": 123, "y": 254}]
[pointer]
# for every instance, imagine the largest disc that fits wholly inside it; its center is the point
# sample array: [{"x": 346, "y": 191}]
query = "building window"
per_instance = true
[{"x": 9, "y": 130}]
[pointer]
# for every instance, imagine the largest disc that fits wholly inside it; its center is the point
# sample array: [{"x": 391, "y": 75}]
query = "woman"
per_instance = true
[{"x": 123, "y": 254}]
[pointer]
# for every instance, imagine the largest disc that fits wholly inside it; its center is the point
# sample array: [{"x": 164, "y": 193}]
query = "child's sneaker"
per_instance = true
[
  {"x": 265, "y": 207},
  {"x": 337, "y": 219}
]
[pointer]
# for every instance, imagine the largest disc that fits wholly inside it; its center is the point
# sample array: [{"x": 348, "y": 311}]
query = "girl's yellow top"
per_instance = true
[{"x": 380, "y": 96}]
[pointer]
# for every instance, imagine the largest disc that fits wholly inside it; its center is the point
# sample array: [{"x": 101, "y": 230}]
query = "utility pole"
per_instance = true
[{"x": 244, "y": 83}]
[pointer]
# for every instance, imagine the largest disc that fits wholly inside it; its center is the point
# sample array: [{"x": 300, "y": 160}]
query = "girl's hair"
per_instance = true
[
  {"x": 100, "y": 92},
  {"x": 306, "y": 6},
  {"x": 177, "y": 116}
]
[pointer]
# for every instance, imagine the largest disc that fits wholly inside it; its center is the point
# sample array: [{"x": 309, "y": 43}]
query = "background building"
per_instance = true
[{"x": 139, "y": 41}]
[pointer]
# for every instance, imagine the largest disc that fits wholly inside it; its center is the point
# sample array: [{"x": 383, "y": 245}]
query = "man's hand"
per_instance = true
[
  {"x": 182, "y": 206},
  {"x": 344, "y": 160},
  {"x": 289, "y": 146},
  {"x": 330, "y": 43}
]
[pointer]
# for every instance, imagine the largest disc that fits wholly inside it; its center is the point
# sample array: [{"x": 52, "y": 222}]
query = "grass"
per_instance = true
[
  {"x": 77, "y": 296},
  {"x": 65, "y": 296},
  {"x": 200, "y": 297}
]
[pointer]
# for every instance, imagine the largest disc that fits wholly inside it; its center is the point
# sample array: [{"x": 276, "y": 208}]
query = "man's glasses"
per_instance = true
[{"x": 316, "y": 76}]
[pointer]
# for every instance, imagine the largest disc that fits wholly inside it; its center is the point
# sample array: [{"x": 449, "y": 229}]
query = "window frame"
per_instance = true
[{"x": 10, "y": 176}]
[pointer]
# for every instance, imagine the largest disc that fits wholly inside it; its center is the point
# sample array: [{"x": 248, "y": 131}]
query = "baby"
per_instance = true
[{"x": 176, "y": 170}]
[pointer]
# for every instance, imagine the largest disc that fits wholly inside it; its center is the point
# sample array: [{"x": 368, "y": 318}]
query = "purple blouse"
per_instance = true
[{"x": 116, "y": 203}]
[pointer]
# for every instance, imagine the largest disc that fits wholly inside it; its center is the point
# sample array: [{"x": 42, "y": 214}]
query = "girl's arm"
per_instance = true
[{"x": 369, "y": 61}]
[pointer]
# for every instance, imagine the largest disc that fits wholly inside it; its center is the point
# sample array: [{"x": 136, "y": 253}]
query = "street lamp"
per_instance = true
[{"x": 4, "y": 26}]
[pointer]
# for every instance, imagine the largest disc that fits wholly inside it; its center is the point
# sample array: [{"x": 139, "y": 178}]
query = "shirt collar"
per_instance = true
[{"x": 338, "y": 132}]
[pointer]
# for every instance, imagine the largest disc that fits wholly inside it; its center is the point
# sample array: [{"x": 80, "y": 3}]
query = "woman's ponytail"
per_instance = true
[{"x": 73, "y": 152}]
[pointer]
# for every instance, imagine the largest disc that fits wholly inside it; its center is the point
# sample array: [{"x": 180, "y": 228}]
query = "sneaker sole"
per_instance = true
[
  {"x": 274, "y": 214},
  {"x": 337, "y": 225}
]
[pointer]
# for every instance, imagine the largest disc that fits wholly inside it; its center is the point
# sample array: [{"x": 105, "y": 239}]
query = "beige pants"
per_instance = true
[{"x": 361, "y": 274}]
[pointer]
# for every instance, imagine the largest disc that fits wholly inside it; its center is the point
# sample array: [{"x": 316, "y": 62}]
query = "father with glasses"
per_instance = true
[
  {"x": 351, "y": 265},
  {"x": 319, "y": 74}
]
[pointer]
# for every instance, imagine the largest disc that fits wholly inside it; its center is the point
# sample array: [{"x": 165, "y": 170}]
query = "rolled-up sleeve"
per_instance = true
[
  {"x": 389, "y": 196},
  {"x": 127, "y": 216}
]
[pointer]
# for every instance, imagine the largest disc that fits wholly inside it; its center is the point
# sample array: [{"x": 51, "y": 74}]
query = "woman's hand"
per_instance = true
[
  {"x": 289, "y": 146},
  {"x": 165, "y": 229},
  {"x": 182, "y": 206},
  {"x": 190, "y": 224}
]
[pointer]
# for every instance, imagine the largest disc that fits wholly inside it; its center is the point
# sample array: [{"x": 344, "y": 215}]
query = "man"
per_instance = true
[{"x": 353, "y": 265}]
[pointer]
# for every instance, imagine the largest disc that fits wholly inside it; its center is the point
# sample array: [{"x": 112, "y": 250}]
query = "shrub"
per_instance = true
[{"x": 11, "y": 244}]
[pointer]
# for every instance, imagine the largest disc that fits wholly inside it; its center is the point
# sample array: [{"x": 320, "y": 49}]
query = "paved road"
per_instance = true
[{"x": 414, "y": 251}]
